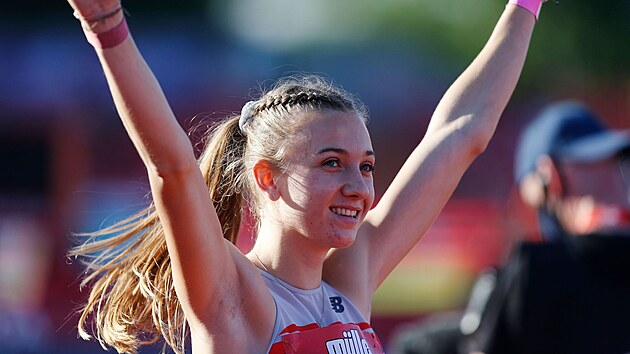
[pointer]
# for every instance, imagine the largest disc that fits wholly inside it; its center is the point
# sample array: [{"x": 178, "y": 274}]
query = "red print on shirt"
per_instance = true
[{"x": 336, "y": 338}]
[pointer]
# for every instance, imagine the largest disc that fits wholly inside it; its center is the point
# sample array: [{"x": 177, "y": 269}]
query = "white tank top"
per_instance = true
[{"x": 319, "y": 320}]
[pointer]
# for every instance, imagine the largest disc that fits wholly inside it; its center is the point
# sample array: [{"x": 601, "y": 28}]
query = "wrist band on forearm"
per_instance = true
[
  {"x": 110, "y": 38},
  {"x": 532, "y": 6}
]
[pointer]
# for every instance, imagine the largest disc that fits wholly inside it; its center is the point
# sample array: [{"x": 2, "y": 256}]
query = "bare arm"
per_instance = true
[
  {"x": 459, "y": 131},
  {"x": 204, "y": 265}
]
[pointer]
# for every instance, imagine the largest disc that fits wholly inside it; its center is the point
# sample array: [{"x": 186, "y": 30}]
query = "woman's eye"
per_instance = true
[
  {"x": 331, "y": 163},
  {"x": 368, "y": 167}
]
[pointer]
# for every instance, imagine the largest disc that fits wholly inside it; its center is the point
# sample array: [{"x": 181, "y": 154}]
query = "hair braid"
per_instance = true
[{"x": 313, "y": 98}]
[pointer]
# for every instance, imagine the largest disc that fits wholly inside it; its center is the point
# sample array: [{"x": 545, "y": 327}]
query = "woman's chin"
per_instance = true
[{"x": 342, "y": 240}]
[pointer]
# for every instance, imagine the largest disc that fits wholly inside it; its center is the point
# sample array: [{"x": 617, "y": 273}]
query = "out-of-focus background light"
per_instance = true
[{"x": 67, "y": 166}]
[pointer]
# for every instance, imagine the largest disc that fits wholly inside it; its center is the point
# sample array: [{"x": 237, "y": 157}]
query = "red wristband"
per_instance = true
[
  {"x": 110, "y": 38},
  {"x": 532, "y": 6}
]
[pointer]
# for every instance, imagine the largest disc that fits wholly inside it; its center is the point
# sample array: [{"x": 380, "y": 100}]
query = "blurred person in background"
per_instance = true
[
  {"x": 300, "y": 157},
  {"x": 570, "y": 293}
]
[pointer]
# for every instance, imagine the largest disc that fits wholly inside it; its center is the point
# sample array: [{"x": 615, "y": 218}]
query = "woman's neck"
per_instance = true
[{"x": 289, "y": 256}]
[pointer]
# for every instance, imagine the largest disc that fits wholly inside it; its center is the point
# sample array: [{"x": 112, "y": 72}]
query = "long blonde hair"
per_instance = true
[{"x": 132, "y": 299}]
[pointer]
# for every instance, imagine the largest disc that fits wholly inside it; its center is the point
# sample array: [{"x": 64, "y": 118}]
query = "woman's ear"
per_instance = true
[{"x": 265, "y": 174}]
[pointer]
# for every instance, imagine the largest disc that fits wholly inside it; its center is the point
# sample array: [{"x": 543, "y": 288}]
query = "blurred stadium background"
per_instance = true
[{"x": 66, "y": 164}]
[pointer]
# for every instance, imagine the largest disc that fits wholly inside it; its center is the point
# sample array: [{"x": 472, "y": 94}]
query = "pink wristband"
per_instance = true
[
  {"x": 110, "y": 38},
  {"x": 532, "y": 6}
]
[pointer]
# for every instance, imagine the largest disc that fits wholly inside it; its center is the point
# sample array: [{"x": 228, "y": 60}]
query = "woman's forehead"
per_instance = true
[{"x": 333, "y": 130}]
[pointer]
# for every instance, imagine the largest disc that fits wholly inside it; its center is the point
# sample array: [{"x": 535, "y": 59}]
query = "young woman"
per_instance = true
[{"x": 301, "y": 159}]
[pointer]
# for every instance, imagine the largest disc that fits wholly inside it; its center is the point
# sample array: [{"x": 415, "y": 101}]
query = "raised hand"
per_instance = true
[{"x": 97, "y": 15}]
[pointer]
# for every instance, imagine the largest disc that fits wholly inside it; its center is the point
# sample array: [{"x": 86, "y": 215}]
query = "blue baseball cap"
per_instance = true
[{"x": 567, "y": 131}]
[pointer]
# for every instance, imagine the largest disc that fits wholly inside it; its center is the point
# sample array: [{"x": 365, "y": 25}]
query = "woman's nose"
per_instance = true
[{"x": 357, "y": 186}]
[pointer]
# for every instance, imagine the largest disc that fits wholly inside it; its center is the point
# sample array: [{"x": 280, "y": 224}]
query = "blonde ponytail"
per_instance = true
[
  {"x": 132, "y": 299},
  {"x": 222, "y": 165}
]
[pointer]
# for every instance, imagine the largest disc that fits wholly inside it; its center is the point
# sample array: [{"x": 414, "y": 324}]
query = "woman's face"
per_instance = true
[{"x": 328, "y": 186}]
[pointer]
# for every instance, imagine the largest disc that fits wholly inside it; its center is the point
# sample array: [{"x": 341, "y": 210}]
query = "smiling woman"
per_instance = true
[
  {"x": 300, "y": 157},
  {"x": 328, "y": 182}
]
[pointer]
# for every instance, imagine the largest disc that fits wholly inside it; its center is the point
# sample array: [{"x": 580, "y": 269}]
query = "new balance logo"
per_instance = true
[
  {"x": 335, "y": 303},
  {"x": 351, "y": 343}
]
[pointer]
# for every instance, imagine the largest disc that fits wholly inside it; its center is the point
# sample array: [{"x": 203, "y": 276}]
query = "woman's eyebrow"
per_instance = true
[{"x": 341, "y": 151}]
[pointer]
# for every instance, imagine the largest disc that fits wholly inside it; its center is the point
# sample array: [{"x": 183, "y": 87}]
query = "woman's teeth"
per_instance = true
[{"x": 344, "y": 212}]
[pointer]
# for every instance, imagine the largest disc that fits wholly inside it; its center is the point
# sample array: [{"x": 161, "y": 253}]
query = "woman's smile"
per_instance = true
[{"x": 345, "y": 212}]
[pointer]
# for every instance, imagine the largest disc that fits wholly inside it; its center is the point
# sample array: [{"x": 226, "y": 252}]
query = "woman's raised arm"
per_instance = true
[
  {"x": 460, "y": 129},
  {"x": 205, "y": 267},
  {"x": 143, "y": 109}
]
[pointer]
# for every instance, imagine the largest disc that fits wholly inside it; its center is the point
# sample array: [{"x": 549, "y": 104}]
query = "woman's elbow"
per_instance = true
[
  {"x": 479, "y": 145},
  {"x": 478, "y": 137}
]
